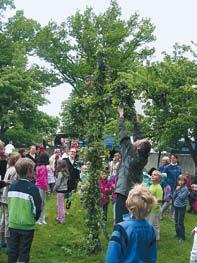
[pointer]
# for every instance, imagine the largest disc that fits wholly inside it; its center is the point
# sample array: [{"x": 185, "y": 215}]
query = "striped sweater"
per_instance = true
[
  {"x": 24, "y": 205},
  {"x": 180, "y": 196}
]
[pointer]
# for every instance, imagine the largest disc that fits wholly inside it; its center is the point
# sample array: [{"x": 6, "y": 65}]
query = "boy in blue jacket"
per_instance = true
[
  {"x": 133, "y": 240},
  {"x": 24, "y": 208}
]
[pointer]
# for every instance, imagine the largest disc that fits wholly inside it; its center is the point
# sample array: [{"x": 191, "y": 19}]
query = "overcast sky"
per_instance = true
[{"x": 175, "y": 21}]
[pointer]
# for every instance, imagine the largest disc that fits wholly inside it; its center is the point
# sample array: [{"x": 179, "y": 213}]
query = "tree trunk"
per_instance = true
[
  {"x": 158, "y": 160},
  {"x": 1, "y": 131}
]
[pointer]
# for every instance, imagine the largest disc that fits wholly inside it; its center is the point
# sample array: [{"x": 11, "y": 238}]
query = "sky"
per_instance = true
[{"x": 175, "y": 21}]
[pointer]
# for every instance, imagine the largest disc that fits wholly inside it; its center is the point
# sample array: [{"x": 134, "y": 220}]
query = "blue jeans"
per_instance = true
[
  {"x": 120, "y": 208},
  {"x": 179, "y": 221},
  {"x": 19, "y": 245}
]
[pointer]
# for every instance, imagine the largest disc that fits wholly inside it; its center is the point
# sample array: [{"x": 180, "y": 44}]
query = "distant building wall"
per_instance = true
[{"x": 185, "y": 161}]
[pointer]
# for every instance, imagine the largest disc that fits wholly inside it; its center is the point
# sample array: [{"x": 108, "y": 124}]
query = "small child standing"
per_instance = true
[
  {"x": 51, "y": 178},
  {"x": 157, "y": 192},
  {"x": 84, "y": 173},
  {"x": 167, "y": 198},
  {"x": 24, "y": 207},
  {"x": 105, "y": 191},
  {"x": 42, "y": 184},
  {"x": 133, "y": 240},
  {"x": 193, "y": 198},
  {"x": 180, "y": 197},
  {"x": 61, "y": 187}
]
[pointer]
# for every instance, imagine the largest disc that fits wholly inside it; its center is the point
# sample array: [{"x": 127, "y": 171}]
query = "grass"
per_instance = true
[{"x": 55, "y": 243}]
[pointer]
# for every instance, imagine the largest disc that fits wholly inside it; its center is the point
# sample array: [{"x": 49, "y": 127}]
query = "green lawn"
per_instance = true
[{"x": 55, "y": 243}]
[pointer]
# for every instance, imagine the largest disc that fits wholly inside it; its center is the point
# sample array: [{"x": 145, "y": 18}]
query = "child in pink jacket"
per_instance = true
[
  {"x": 105, "y": 190},
  {"x": 42, "y": 185}
]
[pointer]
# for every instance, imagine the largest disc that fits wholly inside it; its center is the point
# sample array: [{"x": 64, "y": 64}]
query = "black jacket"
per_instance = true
[
  {"x": 74, "y": 175},
  {"x": 132, "y": 163}
]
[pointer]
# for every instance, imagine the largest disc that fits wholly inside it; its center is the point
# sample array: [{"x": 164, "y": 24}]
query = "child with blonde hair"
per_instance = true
[{"x": 133, "y": 240}]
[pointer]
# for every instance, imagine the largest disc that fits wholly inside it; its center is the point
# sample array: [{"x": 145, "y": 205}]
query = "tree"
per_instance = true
[
  {"x": 75, "y": 48},
  {"x": 170, "y": 96},
  {"x": 4, "y": 4},
  {"x": 32, "y": 128},
  {"x": 22, "y": 87},
  {"x": 89, "y": 52}
]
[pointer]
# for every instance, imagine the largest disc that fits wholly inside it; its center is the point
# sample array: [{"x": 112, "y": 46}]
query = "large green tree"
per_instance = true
[
  {"x": 90, "y": 52},
  {"x": 170, "y": 96},
  {"x": 86, "y": 41},
  {"x": 22, "y": 87}
]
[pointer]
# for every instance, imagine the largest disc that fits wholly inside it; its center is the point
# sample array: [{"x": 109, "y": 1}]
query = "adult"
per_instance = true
[
  {"x": 54, "y": 159},
  {"x": 173, "y": 170},
  {"x": 114, "y": 164},
  {"x": 3, "y": 161},
  {"x": 134, "y": 157},
  {"x": 9, "y": 148},
  {"x": 42, "y": 155},
  {"x": 65, "y": 151},
  {"x": 32, "y": 154},
  {"x": 21, "y": 151},
  {"x": 74, "y": 173}
]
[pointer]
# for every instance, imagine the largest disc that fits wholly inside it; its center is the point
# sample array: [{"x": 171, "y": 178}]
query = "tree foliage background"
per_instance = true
[
  {"x": 22, "y": 86},
  {"x": 107, "y": 60}
]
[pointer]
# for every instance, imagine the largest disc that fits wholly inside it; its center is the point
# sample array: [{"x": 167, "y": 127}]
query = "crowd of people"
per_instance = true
[
  {"x": 139, "y": 198},
  {"x": 27, "y": 176}
]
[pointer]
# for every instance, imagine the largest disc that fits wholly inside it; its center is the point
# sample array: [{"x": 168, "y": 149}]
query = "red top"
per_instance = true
[
  {"x": 42, "y": 177},
  {"x": 105, "y": 190}
]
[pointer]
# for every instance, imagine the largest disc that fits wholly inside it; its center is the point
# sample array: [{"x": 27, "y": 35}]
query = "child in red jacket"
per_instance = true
[{"x": 105, "y": 191}]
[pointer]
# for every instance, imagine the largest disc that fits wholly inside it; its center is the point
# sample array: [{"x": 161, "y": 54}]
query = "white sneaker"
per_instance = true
[
  {"x": 38, "y": 223},
  {"x": 44, "y": 222}
]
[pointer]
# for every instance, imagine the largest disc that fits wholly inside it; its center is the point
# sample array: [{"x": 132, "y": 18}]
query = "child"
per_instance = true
[
  {"x": 167, "y": 198},
  {"x": 24, "y": 207},
  {"x": 157, "y": 192},
  {"x": 192, "y": 198},
  {"x": 42, "y": 184},
  {"x": 10, "y": 176},
  {"x": 51, "y": 177},
  {"x": 61, "y": 187},
  {"x": 105, "y": 191},
  {"x": 84, "y": 173},
  {"x": 188, "y": 180},
  {"x": 133, "y": 240},
  {"x": 179, "y": 197}
]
